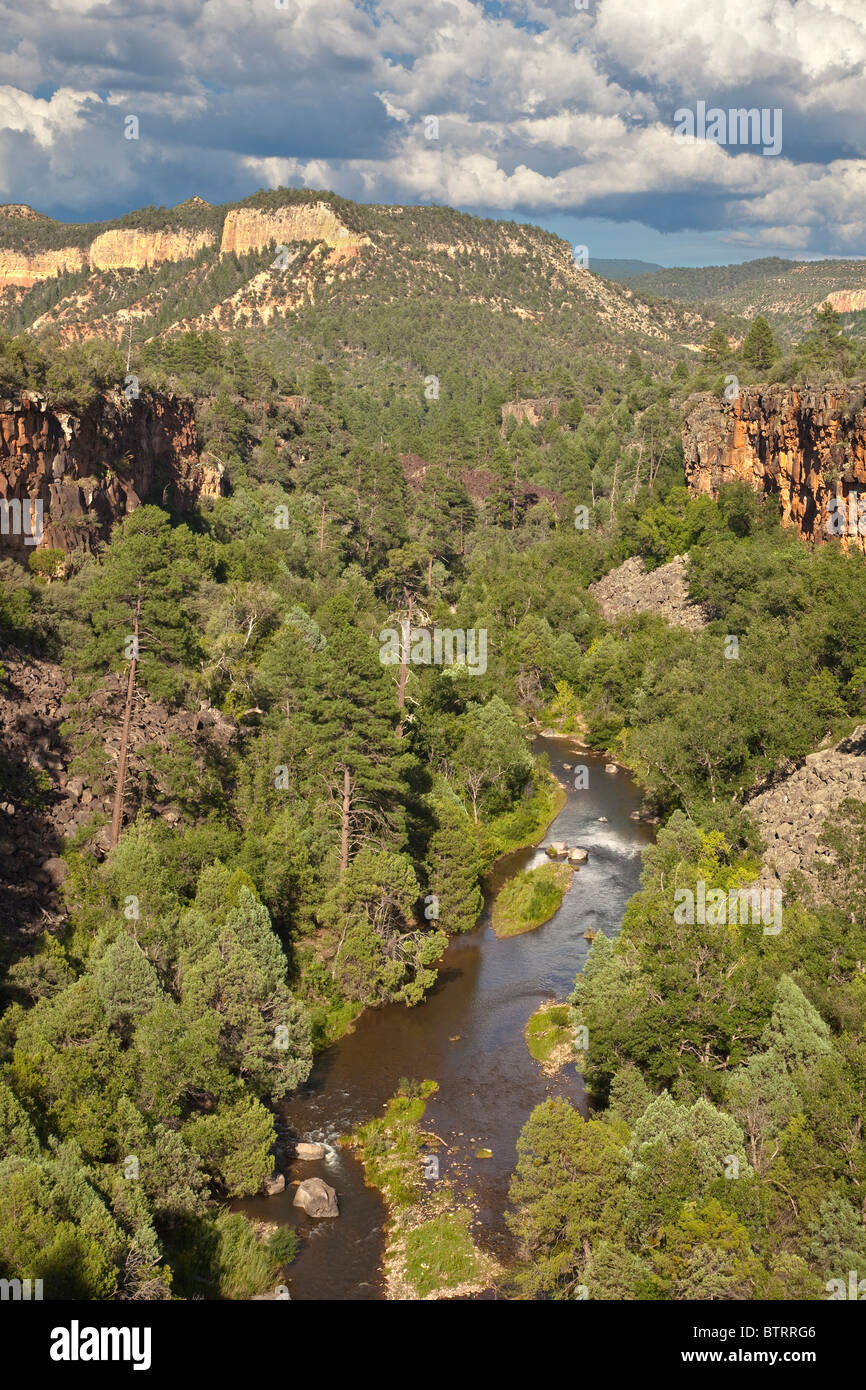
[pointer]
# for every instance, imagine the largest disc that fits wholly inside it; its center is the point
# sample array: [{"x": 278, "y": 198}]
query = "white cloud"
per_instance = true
[
  {"x": 44, "y": 120},
  {"x": 577, "y": 118}
]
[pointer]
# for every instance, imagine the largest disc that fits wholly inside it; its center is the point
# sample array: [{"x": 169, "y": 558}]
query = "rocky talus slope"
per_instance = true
[
  {"x": 631, "y": 589},
  {"x": 792, "y": 806},
  {"x": 802, "y": 447}
]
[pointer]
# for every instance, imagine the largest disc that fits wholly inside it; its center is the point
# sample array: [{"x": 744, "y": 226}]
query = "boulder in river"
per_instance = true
[
  {"x": 308, "y": 1152},
  {"x": 316, "y": 1198},
  {"x": 602, "y": 820},
  {"x": 634, "y": 815},
  {"x": 557, "y": 847},
  {"x": 611, "y": 767},
  {"x": 578, "y": 856},
  {"x": 272, "y": 1186}
]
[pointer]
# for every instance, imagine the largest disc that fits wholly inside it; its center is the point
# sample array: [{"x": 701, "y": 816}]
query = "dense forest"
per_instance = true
[{"x": 259, "y": 898}]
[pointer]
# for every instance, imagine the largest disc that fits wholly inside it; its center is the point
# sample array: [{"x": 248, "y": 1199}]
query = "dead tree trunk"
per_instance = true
[
  {"x": 345, "y": 814},
  {"x": 120, "y": 787},
  {"x": 406, "y": 635}
]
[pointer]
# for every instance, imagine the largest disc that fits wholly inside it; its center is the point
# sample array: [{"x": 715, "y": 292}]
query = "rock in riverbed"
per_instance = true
[
  {"x": 308, "y": 1152},
  {"x": 272, "y": 1186},
  {"x": 316, "y": 1198}
]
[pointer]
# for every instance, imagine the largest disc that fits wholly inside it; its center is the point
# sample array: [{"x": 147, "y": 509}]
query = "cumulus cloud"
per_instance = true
[{"x": 541, "y": 107}]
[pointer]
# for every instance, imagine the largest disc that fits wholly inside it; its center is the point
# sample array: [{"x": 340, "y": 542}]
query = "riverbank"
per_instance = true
[
  {"x": 430, "y": 1252},
  {"x": 517, "y": 829},
  {"x": 469, "y": 1033},
  {"x": 526, "y": 824}
]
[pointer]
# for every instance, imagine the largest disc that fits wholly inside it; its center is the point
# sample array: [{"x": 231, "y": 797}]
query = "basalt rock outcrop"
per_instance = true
[
  {"x": 482, "y": 484},
  {"x": 792, "y": 805},
  {"x": 803, "y": 447},
  {"x": 90, "y": 470},
  {"x": 630, "y": 589}
]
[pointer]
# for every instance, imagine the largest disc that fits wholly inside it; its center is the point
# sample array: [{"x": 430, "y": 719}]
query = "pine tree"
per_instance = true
[
  {"x": 759, "y": 347},
  {"x": 350, "y": 710},
  {"x": 138, "y": 615},
  {"x": 717, "y": 349},
  {"x": 453, "y": 867}
]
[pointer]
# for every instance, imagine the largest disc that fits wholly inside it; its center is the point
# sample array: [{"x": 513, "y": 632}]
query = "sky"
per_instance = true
[{"x": 568, "y": 113}]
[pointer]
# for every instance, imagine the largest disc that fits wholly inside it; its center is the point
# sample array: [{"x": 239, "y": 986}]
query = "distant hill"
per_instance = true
[
  {"x": 708, "y": 281},
  {"x": 396, "y": 291},
  {"x": 785, "y": 292},
  {"x": 623, "y": 270}
]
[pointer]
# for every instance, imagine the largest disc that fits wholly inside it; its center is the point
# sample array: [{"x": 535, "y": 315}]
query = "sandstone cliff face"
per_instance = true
[
  {"x": 804, "y": 447},
  {"x": 130, "y": 249},
  {"x": 122, "y": 249},
  {"x": 89, "y": 471},
  {"x": 251, "y": 229},
  {"x": 530, "y": 411},
  {"x": 17, "y": 268},
  {"x": 847, "y": 301}
]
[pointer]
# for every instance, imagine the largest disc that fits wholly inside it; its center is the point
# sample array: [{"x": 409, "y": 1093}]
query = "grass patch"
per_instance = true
[
  {"x": 530, "y": 899},
  {"x": 526, "y": 823},
  {"x": 430, "y": 1251},
  {"x": 330, "y": 1022},
  {"x": 441, "y": 1254},
  {"x": 390, "y": 1146},
  {"x": 548, "y": 1028}
]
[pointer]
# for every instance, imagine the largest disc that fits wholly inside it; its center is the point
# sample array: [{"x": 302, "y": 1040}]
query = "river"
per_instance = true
[{"x": 467, "y": 1036}]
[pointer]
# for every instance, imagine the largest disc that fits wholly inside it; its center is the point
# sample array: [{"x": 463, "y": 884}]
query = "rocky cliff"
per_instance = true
[
  {"x": 120, "y": 249},
  {"x": 128, "y": 248},
  {"x": 90, "y": 470},
  {"x": 847, "y": 301},
  {"x": 251, "y": 229},
  {"x": 531, "y": 412},
  {"x": 24, "y": 271},
  {"x": 801, "y": 446}
]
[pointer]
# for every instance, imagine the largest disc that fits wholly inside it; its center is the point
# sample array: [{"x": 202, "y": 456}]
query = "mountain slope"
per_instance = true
[
  {"x": 379, "y": 280},
  {"x": 785, "y": 292}
]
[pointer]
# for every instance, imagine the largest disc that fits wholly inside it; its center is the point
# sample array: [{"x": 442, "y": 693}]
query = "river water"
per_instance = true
[{"x": 467, "y": 1036}]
